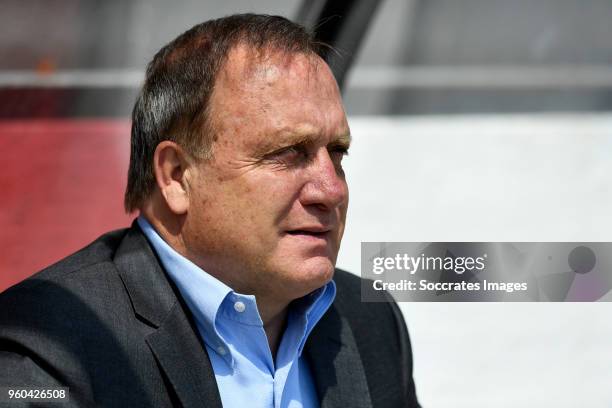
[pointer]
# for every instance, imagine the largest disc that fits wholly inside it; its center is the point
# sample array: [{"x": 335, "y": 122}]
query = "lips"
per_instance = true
[
  {"x": 310, "y": 233},
  {"x": 313, "y": 231}
]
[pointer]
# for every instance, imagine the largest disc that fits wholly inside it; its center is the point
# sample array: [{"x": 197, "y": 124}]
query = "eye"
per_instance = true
[
  {"x": 338, "y": 152},
  {"x": 291, "y": 151},
  {"x": 343, "y": 150},
  {"x": 289, "y": 155}
]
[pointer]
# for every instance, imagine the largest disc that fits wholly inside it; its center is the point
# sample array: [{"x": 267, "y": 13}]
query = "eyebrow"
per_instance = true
[{"x": 344, "y": 139}]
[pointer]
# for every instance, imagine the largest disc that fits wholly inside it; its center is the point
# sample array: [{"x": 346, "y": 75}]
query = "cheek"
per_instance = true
[
  {"x": 273, "y": 194},
  {"x": 252, "y": 203}
]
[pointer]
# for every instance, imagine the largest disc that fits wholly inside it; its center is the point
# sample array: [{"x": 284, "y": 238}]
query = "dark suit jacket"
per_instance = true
[{"x": 108, "y": 323}]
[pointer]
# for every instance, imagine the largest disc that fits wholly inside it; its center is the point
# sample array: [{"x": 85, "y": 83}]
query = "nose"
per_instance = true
[{"x": 325, "y": 186}]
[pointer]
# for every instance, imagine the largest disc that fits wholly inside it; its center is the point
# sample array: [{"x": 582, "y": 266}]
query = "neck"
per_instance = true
[
  {"x": 167, "y": 225},
  {"x": 274, "y": 319}
]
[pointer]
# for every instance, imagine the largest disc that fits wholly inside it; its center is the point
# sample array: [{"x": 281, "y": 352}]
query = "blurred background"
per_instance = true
[{"x": 473, "y": 120}]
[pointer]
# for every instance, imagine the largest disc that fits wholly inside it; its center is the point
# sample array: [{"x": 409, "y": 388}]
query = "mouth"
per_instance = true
[
  {"x": 316, "y": 234},
  {"x": 312, "y": 232},
  {"x": 319, "y": 239}
]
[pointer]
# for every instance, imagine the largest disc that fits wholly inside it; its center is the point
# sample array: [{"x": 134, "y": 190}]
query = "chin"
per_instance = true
[{"x": 311, "y": 274}]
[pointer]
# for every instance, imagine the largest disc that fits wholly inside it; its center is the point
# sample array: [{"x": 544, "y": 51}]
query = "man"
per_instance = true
[{"x": 221, "y": 292}]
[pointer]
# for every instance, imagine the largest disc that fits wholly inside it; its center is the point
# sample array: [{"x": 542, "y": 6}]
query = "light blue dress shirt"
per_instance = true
[{"x": 233, "y": 333}]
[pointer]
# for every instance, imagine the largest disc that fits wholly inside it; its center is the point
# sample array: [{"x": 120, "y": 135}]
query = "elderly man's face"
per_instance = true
[{"x": 267, "y": 212}]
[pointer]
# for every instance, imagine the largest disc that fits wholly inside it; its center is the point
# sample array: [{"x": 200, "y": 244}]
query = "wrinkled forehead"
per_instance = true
[{"x": 267, "y": 66}]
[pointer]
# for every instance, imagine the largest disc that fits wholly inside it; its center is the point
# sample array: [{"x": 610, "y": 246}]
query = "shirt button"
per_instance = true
[
  {"x": 221, "y": 350},
  {"x": 239, "y": 307}
]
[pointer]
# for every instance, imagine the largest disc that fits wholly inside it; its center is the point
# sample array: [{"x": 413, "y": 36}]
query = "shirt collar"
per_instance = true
[
  {"x": 202, "y": 293},
  {"x": 311, "y": 308}
]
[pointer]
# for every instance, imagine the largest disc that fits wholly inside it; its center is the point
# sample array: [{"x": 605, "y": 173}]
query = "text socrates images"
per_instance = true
[{"x": 486, "y": 271}]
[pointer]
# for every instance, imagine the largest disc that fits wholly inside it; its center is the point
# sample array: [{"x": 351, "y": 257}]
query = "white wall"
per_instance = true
[{"x": 491, "y": 178}]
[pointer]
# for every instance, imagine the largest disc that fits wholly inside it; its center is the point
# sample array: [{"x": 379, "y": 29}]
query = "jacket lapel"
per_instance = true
[
  {"x": 336, "y": 365},
  {"x": 184, "y": 360},
  {"x": 174, "y": 342}
]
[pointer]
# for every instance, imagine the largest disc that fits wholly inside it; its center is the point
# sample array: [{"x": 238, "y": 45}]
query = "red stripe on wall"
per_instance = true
[{"x": 62, "y": 184}]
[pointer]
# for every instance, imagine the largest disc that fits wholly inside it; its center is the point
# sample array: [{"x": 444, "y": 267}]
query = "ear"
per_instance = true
[{"x": 171, "y": 167}]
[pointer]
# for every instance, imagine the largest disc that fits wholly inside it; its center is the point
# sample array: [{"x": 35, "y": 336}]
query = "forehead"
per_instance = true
[
  {"x": 258, "y": 75},
  {"x": 275, "y": 92},
  {"x": 246, "y": 65}
]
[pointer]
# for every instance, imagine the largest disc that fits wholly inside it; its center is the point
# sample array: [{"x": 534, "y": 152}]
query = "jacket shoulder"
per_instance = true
[
  {"x": 358, "y": 312},
  {"x": 99, "y": 251},
  {"x": 57, "y": 295},
  {"x": 382, "y": 339},
  {"x": 348, "y": 299},
  {"x": 64, "y": 324}
]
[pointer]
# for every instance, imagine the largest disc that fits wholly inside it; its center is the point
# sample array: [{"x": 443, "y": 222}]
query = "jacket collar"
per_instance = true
[
  {"x": 174, "y": 341},
  {"x": 148, "y": 288}
]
